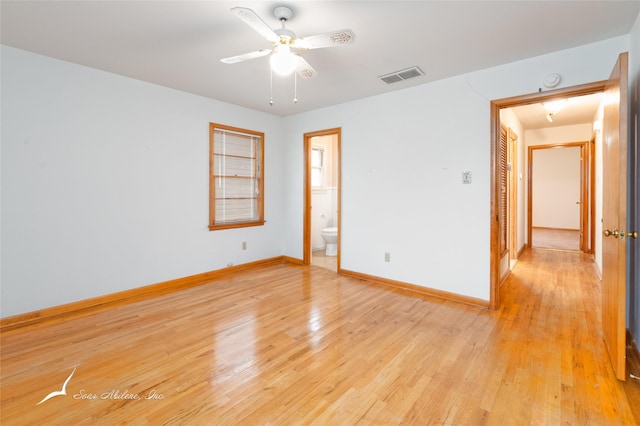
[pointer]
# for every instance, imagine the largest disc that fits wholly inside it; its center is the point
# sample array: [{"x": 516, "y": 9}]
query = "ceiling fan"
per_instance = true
[{"x": 283, "y": 60}]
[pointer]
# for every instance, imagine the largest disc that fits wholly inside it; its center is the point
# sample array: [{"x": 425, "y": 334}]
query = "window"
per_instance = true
[
  {"x": 236, "y": 170},
  {"x": 317, "y": 167}
]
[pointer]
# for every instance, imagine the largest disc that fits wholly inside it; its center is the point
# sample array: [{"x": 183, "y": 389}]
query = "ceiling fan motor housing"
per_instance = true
[{"x": 288, "y": 35}]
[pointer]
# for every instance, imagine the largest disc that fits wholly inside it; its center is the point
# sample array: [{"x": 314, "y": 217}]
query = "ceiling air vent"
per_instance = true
[{"x": 401, "y": 75}]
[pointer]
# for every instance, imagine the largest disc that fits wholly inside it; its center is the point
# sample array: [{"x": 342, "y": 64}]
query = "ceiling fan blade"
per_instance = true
[
  {"x": 254, "y": 21},
  {"x": 334, "y": 38},
  {"x": 246, "y": 56},
  {"x": 305, "y": 70}
]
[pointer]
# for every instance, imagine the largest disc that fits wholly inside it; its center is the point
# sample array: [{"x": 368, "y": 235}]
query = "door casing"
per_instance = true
[
  {"x": 306, "y": 246},
  {"x": 584, "y": 184},
  {"x": 495, "y": 107}
]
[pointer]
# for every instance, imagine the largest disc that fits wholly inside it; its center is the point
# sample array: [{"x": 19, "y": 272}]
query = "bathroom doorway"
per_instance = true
[{"x": 322, "y": 199}]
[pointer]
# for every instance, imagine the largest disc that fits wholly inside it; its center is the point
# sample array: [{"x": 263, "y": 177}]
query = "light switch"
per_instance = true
[{"x": 466, "y": 178}]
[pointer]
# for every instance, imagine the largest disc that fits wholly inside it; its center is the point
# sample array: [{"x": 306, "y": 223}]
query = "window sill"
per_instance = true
[{"x": 235, "y": 225}]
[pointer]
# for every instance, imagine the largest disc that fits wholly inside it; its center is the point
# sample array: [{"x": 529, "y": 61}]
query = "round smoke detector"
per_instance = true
[{"x": 551, "y": 81}]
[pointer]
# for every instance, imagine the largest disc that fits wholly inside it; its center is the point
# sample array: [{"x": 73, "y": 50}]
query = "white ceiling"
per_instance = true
[
  {"x": 179, "y": 44},
  {"x": 579, "y": 110}
]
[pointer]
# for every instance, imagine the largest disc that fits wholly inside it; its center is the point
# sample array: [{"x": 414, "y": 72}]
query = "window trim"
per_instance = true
[
  {"x": 322, "y": 187},
  {"x": 213, "y": 127}
]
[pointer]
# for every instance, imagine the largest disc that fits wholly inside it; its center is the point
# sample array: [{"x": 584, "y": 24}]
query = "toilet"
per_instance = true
[{"x": 330, "y": 236}]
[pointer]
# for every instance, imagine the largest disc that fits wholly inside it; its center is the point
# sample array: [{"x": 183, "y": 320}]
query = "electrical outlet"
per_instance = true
[
  {"x": 387, "y": 257},
  {"x": 244, "y": 245}
]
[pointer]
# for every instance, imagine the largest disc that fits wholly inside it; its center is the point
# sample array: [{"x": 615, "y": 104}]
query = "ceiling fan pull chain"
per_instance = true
[
  {"x": 295, "y": 88},
  {"x": 271, "y": 86}
]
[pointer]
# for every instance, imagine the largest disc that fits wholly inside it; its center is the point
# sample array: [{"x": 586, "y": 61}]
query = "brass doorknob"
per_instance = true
[
  {"x": 608, "y": 233},
  {"x": 633, "y": 234}
]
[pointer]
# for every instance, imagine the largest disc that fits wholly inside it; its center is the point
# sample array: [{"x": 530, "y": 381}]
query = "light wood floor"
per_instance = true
[
  {"x": 318, "y": 258},
  {"x": 559, "y": 239},
  {"x": 288, "y": 344}
]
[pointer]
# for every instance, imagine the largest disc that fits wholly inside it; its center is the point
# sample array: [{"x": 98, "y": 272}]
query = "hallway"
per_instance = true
[{"x": 562, "y": 312}]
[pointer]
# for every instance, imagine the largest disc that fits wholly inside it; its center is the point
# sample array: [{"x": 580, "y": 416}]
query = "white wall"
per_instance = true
[
  {"x": 598, "y": 192},
  {"x": 402, "y": 158},
  {"x": 104, "y": 178},
  {"x": 105, "y": 184},
  {"x": 562, "y": 134}
]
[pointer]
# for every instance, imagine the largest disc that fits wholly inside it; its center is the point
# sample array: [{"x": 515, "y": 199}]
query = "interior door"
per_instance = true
[{"x": 614, "y": 215}]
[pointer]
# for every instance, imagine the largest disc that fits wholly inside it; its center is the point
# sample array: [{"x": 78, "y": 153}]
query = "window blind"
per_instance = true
[{"x": 236, "y": 177}]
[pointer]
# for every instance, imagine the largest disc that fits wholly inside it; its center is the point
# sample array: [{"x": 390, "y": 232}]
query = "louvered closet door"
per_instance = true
[{"x": 502, "y": 201}]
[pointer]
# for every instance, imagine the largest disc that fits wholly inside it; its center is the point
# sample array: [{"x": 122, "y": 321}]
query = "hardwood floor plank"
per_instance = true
[
  {"x": 551, "y": 238},
  {"x": 289, "y": 345}
]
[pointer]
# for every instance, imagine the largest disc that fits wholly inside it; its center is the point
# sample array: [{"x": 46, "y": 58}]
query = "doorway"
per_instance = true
[
  {"x": 322, "y": 199},
  {"x": 499, "y": 231},
  {"x": 558, "y": 196},
  {"x": 613, "y": 199}
]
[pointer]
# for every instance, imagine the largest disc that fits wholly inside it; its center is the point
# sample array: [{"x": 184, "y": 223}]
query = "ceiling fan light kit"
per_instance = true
[{"x": 283, "y": 60}]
